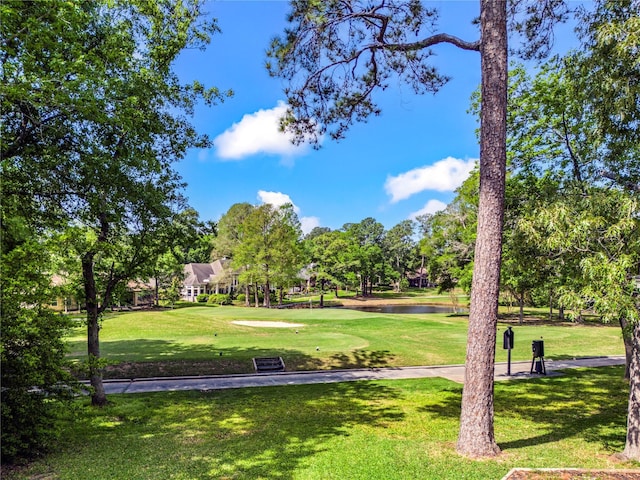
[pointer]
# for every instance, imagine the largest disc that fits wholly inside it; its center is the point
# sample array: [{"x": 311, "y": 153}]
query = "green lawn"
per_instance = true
[
  {"x": 385, "y": 430},
  {"x": 204, "y": 339}
]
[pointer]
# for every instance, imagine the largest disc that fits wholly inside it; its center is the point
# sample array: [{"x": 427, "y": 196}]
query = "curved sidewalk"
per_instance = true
[{"x": 519, "y": 370}]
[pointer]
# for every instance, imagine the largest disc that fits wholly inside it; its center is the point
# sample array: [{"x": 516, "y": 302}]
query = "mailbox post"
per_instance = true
[{"x": 507, "y": 344}]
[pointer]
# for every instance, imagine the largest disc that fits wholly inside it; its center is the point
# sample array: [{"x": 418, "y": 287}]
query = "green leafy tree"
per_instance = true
[
  {"x": 525, "y": 265},
  {"x": 289, "y": 254},
  {"x": 578, "y": 126},
  {"x": 399, "y": 248},
  {"x": 34, "y": 371},
  {"x": 229, "y": 237},
  {"x": 95, "y": 116},
  {"x": 366, "y": 252},
  {"x": 229, "y": 229},
  {"x": 269, "y": 250},
  {"x": 602, "y": 228},
  {"x": 330, "y": 255},
  {"x": 171, "y": 292}
]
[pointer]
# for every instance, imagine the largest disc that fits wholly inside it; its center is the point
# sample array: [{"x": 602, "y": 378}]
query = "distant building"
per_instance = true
[
  {"x": 418, "y": 278},
  {"x": 137, "y": 294},
  {"x": 215, "y": 277}
]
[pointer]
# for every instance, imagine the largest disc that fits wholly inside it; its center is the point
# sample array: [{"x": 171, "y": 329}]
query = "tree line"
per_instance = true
[{"x": 267, "y": 248}]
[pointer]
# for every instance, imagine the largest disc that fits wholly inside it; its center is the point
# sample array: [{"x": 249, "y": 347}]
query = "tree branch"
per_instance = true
[
  {"x": 626, "y": 183},
  {"x": 428, "y": 42}
]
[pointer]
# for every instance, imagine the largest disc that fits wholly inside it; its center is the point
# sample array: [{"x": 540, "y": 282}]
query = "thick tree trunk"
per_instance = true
[
  {"x": 267, "y": 294},
  {"x": 632, "y": 445},
  {"x": 98, "y": 396},
  {"x": 476, "y": 436}
]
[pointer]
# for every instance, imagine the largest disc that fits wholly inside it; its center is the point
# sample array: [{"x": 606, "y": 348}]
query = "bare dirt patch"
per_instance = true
[
  {"x": 374, "y": 301},
  {"x": 251, "y": 323}
]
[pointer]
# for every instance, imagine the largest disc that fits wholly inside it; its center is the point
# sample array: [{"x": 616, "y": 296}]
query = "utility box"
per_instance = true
[
  {"x": 537, "y": 347},
  {"x": 537, "y": 363}
]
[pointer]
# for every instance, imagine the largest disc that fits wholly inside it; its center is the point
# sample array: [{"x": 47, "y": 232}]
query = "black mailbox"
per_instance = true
[
  {"x": 507, "y": 339},
  {"x": 537, "y": 346}
]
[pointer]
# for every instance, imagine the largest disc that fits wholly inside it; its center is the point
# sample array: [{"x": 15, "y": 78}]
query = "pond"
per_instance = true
[{"x": 408, "y": 309}]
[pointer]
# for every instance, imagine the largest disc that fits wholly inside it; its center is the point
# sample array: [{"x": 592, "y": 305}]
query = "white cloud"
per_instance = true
[
  {"x": 309, "y": 223},
  {"x": 257, "y": 133},
  {"x": 278, "y": 199},
  {"x": 432, "y": 206},
  {"x": 443, "y": 176}
]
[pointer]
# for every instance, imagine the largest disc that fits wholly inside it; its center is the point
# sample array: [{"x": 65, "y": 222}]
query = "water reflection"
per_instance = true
[{"x": 408, "y": 309}]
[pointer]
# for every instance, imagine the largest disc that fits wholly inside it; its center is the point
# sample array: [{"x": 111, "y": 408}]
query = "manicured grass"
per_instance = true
[
  {"x": 190, "y": 340},
  {"x": 387, "y": 430}
]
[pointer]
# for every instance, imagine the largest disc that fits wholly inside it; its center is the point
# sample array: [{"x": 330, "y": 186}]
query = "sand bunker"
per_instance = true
[{"x": 268, "y": 324}]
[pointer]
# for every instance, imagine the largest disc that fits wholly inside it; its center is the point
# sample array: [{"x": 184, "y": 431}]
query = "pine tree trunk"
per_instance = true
[
  {"x": 632, "y": 445},
  {"x": 476, "y": 436}
]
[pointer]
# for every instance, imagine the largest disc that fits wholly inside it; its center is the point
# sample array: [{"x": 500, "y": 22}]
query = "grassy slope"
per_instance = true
[
  {"x": 358, "y": 430},
  {"x": 329, "y": 338}
]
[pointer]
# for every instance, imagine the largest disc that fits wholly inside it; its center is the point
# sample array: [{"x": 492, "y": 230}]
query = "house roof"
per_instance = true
[{"x": 206, "y": 273}]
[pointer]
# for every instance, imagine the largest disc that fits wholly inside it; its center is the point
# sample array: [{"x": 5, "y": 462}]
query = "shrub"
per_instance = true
[
  {"x": 219, "y": 299},
  {"x": 202, "y": 298},
  {"x": 241, "y": 297},
  {"x": 34, "y": 376}
]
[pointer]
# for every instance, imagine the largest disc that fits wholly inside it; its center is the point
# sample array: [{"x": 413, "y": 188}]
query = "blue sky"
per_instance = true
[{"x": 407, "y": 161}]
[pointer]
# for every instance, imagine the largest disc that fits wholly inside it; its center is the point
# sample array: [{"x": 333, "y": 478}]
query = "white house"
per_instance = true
[{"x": 215, "y": 277}]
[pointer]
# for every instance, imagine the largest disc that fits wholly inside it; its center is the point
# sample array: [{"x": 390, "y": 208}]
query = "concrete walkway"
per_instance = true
[{"x": 519, "y": 370}]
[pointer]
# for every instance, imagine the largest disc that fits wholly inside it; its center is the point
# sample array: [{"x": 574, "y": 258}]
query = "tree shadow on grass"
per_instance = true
[
  {"x": 363, "y": 359},
  {"x": 164, "y": 358},
  {"x": 586, "y": 403},
  {"x": 248, "y": 433}
]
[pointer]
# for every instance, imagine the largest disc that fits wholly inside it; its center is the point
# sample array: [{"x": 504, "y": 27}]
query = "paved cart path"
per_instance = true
[{"x": 519, "y": 370}]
